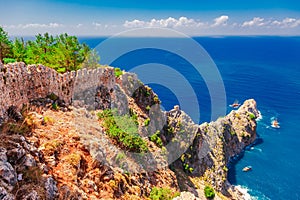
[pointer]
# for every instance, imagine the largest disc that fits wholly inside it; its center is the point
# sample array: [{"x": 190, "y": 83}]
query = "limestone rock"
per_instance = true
[
  {"x": 8, "y": 176},
  {"x": 15, "y": 154},
  {"x": 4, "y": 195},
  {"x": 3, "y": 156},
  {"x": 32, "y": 195},
  {"x": 51, "y": 189},
  {"x": 186, "y": 196}
]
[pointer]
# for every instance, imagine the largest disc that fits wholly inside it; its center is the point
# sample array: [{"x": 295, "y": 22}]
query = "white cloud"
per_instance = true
[
  {"x": 164, "y": 23},
  {"x": 35, "y": 25},
  {"x": 287, "y": 23},
  {"x": 256, "y": 21},
  {"x": 97, "y": 24},
  {"x": 220, "y": 21},
  {"x": 134, "y": 24},
  {"x": 79, "y": 25}
]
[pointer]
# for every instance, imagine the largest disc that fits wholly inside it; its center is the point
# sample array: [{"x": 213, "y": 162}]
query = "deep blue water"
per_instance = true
[{"x": 264, "y": 68}]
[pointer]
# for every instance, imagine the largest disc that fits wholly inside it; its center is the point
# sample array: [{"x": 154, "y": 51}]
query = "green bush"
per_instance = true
[
  {"x": 209, "y": 192},
  {"x": 118, "y": 72},
  {"x": 251, "y": 115},
  {"x": 123, "y": 130},
  {"x": 148, "y": 108},
  {"x": 133, "y": 116},
  {"x": 156, "y": 139},
  {"x": 162, "y": 194},
  {"x": 147, "y": 122},
  {"x": 61, "y": 70},
  {"x": 55, "y": 106},
  {"x": 9, "y": 60}
]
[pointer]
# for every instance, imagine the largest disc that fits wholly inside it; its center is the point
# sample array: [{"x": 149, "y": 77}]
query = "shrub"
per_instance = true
[
  {"x": 225, "y": 169},
  {"x": 148, "y": 108},
  {"x": 162, "y": 194},
  {"x": 55, "y": 106},
  {"x": 33, "y": 174},
  {"x": 53, "y": 97},
  {"x": 209, "y": 192},
  {"x": 118, "y": 72},
  {"x": 156, "y": 99},
  {"x": 61, "y": 70},
  {"x": 9, "y": 60},
  {"x": 17, "y": 128},
  {"x": 120, "y": 156},
  {"x": 48, "y": 120},
  {"x": 133, "y": 116},
  {"x": 73, "y": 159},
  {"x": 156, "y": 139},
  {"x": 51, "y": 147},
  {"x": 251, "y": 115},
  {"x": 123, "y": 130},
  {"x": 147, "y": 122}
]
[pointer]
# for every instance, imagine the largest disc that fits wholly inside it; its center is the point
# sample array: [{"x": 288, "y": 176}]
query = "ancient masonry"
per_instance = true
[{"x": 19, "y": 84}]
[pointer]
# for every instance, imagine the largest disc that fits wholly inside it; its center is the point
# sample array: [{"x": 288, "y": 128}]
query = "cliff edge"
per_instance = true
[{"x": 67, "y": 137}]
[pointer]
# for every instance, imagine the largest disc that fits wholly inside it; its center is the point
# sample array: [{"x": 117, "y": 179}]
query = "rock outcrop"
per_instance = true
[
  {"x": 215, "y": 143},
  {"x": 54, "y": 147}
]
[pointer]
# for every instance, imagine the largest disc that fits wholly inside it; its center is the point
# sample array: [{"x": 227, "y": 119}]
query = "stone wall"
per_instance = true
[{"x": 20, "y": 83}]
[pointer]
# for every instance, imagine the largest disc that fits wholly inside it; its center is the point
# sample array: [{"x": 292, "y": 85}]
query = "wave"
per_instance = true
[
  {"x": 246, "y": 193},
  {"x": 260, "y": 117},
  {"x": 244, "y": 190},
  {"x": 255, "y": 148}
]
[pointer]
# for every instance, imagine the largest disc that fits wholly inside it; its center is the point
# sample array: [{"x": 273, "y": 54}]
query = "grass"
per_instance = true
[
  {"x": 48, "y": 120},
  {"x": 33, "y": 174},
  {"x": 52, "y": 146},
  {"x": 162, "y": 194},
  {"x": 156, "y": 139},
  {"x": 123, "y": 130},
  {"x": 73, "y": 159}
]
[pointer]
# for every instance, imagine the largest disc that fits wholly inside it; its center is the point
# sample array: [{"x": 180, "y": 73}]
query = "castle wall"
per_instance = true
[{"x": 20, "y": 83}]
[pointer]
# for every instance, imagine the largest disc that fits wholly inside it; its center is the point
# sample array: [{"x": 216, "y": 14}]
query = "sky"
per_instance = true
[{"x": 191, "y": 17}]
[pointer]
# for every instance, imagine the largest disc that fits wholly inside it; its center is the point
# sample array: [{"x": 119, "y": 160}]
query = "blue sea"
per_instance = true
[{"x": 264, "y": 68}]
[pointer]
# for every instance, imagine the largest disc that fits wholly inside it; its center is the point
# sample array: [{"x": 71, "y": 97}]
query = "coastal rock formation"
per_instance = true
[
  {"x": 215, "y": 143},
  {"x": 54, "y": 146}
]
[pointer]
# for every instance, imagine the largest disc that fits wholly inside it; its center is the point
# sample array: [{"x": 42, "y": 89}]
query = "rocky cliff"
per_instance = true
[{"x": 55, "y": 145}]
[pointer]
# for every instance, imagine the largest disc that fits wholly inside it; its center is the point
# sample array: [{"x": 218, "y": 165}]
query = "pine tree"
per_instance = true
[{"x": 5, "y": 45}]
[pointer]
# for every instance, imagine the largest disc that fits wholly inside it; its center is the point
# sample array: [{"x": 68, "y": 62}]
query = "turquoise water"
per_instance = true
[{"x": 264, "y": 68}]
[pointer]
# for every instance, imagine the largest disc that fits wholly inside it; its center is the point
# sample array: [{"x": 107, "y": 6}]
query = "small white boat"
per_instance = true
[
  {"x": 235, "y": 104},
  {"x": 275, "y": 123},
  {"x": 247, "y": 169}
]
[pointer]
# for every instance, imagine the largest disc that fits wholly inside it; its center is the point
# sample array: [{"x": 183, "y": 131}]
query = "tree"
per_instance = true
[
  {"x": 63, "y": 52},
  {"x": 91, "y": 60},
  {"x": 19, "y": 50},
  {"x": 70, "y": 52},
  {"x": 5, "y": 45}
]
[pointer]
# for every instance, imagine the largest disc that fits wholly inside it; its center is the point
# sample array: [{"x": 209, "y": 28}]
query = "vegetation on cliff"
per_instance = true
[
  {"x": 130, "y": 139},
  {"x": 62, "y": 52}
]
